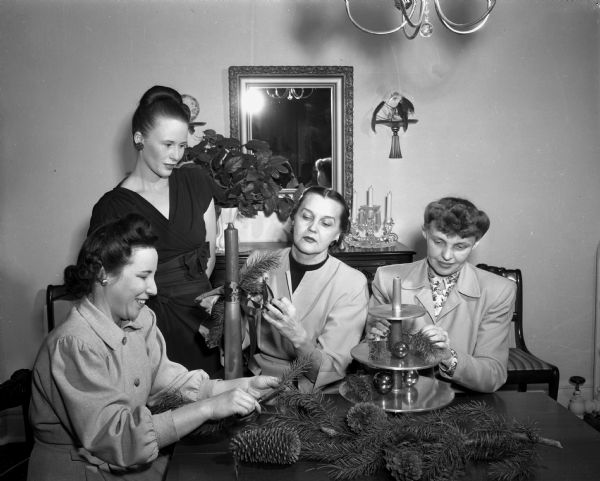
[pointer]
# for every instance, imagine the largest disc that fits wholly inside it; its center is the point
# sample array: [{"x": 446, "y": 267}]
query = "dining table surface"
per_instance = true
[{"x": 198, "y": 458}]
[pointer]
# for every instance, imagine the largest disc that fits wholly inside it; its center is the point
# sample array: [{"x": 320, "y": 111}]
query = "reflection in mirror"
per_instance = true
[
  {"x": 304, "y": 113},
  {"x": 297, "y": 124}
]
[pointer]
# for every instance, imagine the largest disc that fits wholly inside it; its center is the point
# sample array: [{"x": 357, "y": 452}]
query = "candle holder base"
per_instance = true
[
  {"x": 425, "y": 395},
  {"x": 363, "y": 232}
]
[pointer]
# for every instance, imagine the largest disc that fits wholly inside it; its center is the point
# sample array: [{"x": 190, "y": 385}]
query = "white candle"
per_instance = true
[
  {"x": 388, "y": 206},
  {"x": 354, "y": 206},
  {"x": 396, "y": 296},
  {"x": 370, "y": 196}
]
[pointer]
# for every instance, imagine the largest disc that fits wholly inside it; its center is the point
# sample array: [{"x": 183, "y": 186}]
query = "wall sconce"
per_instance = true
[
  {"x": 394, "y": 112},
  {"x": 415, "y": 18}
]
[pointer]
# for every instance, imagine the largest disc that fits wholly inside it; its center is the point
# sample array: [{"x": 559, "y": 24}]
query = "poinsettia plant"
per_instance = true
[{"x": 250, "y": 176}]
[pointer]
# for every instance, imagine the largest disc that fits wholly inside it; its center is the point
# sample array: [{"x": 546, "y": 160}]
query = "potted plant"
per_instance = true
[{"x": 250, "y": 176}]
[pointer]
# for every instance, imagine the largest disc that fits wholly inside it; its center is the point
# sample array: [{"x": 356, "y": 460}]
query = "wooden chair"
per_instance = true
[
  {"x": 14, "y": 456},
  {"x": 55, "y": 293},
  {"x": 524, "y": 367}
]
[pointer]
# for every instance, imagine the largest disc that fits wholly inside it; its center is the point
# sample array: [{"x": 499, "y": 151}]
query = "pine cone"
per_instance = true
[
  {"x": 273, "y": 445},
  {"x": 403, "y": 464},
  {"x": 365, "y": 416}
]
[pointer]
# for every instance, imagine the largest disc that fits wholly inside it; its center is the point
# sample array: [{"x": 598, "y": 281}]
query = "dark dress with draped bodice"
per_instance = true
[{"x": 182, "y": 258}]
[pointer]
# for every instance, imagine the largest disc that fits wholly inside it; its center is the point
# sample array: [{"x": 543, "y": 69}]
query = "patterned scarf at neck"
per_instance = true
[{"x": 440, "y": 288}]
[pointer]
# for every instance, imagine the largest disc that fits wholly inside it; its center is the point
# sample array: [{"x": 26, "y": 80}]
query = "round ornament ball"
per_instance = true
[
  {"x": 383, "y": 382},
  {"x": 400, "y": 350}
]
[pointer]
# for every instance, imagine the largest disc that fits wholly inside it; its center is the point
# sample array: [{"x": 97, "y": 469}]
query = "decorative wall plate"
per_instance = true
[{"x": 192, "y": 104}]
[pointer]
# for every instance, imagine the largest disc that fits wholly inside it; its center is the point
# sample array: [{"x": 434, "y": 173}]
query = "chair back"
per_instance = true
[
  {"x": 517, "y": 318},
  {"x": 16, "y": 392},
  {"x": 55, "y": 293}
]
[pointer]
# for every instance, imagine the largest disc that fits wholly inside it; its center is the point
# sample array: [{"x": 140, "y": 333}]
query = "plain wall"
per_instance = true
[{"x": 508, "y": 117}]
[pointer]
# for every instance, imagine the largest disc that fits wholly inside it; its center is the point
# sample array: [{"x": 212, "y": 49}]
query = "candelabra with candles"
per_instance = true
[
  {"x": 399, "y": 386},
  {"x": 367, "y": 229}
]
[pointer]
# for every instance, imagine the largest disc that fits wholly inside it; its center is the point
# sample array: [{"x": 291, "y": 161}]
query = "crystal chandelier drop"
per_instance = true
[{"x": 415, "y": 18}]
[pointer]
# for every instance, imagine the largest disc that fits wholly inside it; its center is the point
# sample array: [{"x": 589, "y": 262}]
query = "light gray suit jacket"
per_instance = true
[
  {"x": 476, "y": 315},
  {"x": 331, "y": 303}
]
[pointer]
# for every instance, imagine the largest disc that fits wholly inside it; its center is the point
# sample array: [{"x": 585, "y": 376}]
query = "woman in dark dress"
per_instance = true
[{"x": 179, "y": 204}]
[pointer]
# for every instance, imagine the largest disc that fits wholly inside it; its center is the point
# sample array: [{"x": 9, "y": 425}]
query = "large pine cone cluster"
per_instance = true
[{"x": 275, "y": 445}]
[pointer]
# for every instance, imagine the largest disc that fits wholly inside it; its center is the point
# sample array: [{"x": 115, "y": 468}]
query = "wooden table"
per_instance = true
[{"x": 579, "y": 460}]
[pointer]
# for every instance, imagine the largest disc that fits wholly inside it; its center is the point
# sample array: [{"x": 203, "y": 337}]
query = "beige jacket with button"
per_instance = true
[{"x": 92, "y": 381}]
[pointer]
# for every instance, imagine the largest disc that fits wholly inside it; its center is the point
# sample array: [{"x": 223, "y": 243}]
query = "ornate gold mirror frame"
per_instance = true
[{"x": 304, "y": 85}]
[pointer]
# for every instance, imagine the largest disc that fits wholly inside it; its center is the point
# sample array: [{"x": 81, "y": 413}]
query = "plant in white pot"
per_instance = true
[{"x": 249, "y": 176}]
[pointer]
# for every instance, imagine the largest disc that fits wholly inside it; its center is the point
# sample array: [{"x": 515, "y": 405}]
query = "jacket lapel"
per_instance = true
[
  {"x": 307, "y": 293},
  {"x": 418, "y": 282},
  {"x": 467, "y": 285}
]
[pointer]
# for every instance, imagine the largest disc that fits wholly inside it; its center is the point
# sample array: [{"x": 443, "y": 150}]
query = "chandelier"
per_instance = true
[
  {"x": 293, "y": 93},
  {"x": 415, "y": 19}
]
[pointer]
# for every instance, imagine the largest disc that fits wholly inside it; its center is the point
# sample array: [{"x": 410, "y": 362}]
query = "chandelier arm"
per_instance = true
[
  {"x": 407, "y": 15},
  {"x": 415, "y": 32},
  {"x": 459, "y": 27},
  {"x": 368, "y": 30}
]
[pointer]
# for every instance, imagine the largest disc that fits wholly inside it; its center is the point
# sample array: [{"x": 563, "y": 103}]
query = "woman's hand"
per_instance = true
[
  {"x": 281, "y": 314},
  {"x": 438, "y": 337},
  {"x": 377, "y": 329},
  {"x": 228, "y": 403},
  {"x": 259, "y": 386}
]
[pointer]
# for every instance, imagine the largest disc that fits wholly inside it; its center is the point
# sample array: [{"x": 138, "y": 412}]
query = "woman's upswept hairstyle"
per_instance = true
[
  {"x": 455, "y": 216},
  {"x": 158, "y": 101},
  {"x": 327, "y": 193},
  {"x": 110, "y": 247}
]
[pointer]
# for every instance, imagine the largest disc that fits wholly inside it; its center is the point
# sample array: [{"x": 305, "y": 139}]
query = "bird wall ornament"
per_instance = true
[{"x": 394, "y": 112}]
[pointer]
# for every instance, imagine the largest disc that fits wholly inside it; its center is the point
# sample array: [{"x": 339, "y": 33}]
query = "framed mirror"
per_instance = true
[{"x": 303, "y": 112}]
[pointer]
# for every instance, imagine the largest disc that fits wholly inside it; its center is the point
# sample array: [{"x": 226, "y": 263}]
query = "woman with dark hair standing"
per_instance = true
[
  {"x": 178, "y": 202},
  {"x": 97, "y": 373},
  {"x": 319, "y": 304}
]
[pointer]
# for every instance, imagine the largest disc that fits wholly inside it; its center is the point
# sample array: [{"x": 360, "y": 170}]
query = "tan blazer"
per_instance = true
[
  {"x": 476, "y": 315},
  {"x": 332, "y": 305}
]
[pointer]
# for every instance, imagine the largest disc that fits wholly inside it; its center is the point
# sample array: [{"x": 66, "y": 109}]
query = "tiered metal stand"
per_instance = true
[{"x": 399, "y": 387}]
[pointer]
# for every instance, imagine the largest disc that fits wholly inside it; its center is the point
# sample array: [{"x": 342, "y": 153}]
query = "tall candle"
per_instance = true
[
  {"x": 233, "y": 320},
  {"x": 388, "y": 206},
  {"x": 397, "y": 296},
  {"x": 370, "y": 196},
  {"x": 354, "y": 206}
]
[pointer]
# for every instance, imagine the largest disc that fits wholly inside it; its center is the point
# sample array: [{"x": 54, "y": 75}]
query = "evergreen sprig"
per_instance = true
[
  {"x": 253, "y": 292},
  {"x": 433, "y": 446},
  {"x": 253, "y": 271}
]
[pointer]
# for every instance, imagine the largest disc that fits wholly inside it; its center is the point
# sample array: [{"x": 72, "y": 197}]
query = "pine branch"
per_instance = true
[
  {"x": 421, "y": 343},
  {"x": 360, "y": 386},
  {"x": 171, "y": 399},
  {"x": 433, "y": 446},
  {"x": 364, "y": 463},
  {"x": 516, "y": 468},
  {"x": 215, "y": 326},
  {"x": 252, "y": 272},
  {"x": 328, "y": 451},
  {"x": 296, "y": 369}
]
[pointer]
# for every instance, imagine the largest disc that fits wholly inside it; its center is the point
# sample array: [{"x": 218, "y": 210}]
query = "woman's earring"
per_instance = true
[
  {"x": 139, "y": 146},
  {"x": 104, "y": 282}
]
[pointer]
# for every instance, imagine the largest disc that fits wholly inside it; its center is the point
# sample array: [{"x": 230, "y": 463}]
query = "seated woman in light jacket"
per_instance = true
[
  {"x": 96, "y": 373},
  {"x": 469, "y": 310},
  {"x": 319, "y": 304}
]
